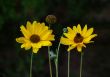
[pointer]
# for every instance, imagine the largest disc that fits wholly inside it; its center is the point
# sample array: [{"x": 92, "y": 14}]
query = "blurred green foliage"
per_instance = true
[
  {"x": 21, "y": 9},
  {"x": 77, "y": 8}
]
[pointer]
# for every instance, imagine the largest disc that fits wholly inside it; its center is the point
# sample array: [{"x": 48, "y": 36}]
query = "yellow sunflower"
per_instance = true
[
  {"x": 36, "y": 35},
  {"x": 77, "y": 38}
]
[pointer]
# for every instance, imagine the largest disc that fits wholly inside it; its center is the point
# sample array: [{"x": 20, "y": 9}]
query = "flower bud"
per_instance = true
[
  {"x": 51, "y": 19},
  {"x": 65, "y": 30}
]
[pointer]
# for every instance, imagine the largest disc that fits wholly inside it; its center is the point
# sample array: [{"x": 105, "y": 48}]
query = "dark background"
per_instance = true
[{"x": 14, "y": 61}]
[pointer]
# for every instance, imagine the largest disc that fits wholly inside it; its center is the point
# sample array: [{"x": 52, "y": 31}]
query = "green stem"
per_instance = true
[
  {"x": 49, "y": 62},
  {"x": 56, "y": 69},
  {"x": 81, "y": 64},
  {"x": 68, "y": 64},
  {"x": 57, "y": 51},
  {"x": 31, "y": 65}
]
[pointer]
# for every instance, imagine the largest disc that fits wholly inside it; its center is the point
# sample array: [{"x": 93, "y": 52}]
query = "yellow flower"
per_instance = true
[
  {"x": 77, "y": 37},
  {"x": 36, "y": 35}
]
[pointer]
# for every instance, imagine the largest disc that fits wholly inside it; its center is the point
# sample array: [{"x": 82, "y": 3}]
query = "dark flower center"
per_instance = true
[
  {"x": 34, "y": 38},
  {"x": 78, "y": 38}
]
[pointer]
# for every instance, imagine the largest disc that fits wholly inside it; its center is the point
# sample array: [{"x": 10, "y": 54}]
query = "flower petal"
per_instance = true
[
  {"x": 89, "y": 32},
  {"x": 25, "y": 32},
  {"x": 46, "y": 43},
  {"x": 20, "y": 40},
  {"x": 87, "y": 40},
  {"x": 71, "y": 47},
  {"x": 70, "y": 30},
  {"x": 36, "y": 45},
  {"x": 84, "y": 30},
  {"x": 78, "y": 28},
  {"x": 34, "y": 27},
  {"x": 79, "y": 48},
  {"x": 29, "y": 26},
  {"x": 45, "y": 36},
  {"x": 44, "y": 30},
  {"x": 27, "y": 46},
  {"x": 65, "y": 41},
  {"x": 51, "y": 38},
  {"x": 70, "y": 36},
  {"x": 39, "y": 27},
  {"x": 35, "y": 50},
  {"x": 74, "y": 29}
]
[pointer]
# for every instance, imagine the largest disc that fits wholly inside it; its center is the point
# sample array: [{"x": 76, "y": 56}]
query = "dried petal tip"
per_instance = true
[{"x": 51, "y": 19}]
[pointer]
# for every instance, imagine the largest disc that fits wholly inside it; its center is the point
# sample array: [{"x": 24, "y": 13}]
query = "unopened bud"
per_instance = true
[
  {"x": 65, "y": 30},
  {"x": 51, "y": 19}
]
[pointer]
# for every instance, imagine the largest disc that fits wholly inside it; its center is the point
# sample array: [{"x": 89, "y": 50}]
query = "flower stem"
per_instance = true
[
  {"x": 57, "y": 51},
  {"x": 31, "y": 65},
  {"x": 68, "y": 64},
  {"x": 56, "y": 68},
  {"x": 49, "y": 62},
  {"x": 81, "y": 64}
]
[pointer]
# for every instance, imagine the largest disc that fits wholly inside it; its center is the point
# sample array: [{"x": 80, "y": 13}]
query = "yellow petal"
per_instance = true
[
  {"x": 29, "y": 26},
  {"x": 75, "y": 29},
  {"x": 89, "y": 32},
  {"x": 23, "y": 45},
  {"x": 79, "y": 48},
  {"x": 70, "y": 36},
  {"x": 20, "y": 40},
  {"x": 27, "y": 46},
  {"x": 45, "y": 36},
  {"x": 87, "y": 40},
  {"x": 44, "y": 30},
  {"x": 46, "y": 43},
  {"x": 51, "y": 38},
  {"x": 78, "y": 28},
  {"x": 25, "y": 32},
  {"x": 84, "y": 30},
  {"x": 71, "y": 47},
  {"x": 35, "y": 50},
  {"x": 65, "y": 41},
  {"x": 39, "y": 27},
  {"x": 34, "y": 27},
  {"x": 70, "y": 30},
  {"x": 36, "y": 45}
]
